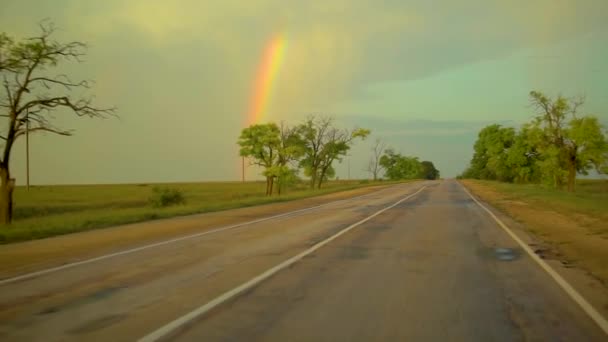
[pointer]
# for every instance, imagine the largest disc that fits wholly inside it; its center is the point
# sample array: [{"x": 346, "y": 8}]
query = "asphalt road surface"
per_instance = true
[{"x": 434, "y": 267}]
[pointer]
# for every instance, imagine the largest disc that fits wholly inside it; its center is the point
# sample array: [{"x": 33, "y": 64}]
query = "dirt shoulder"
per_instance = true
[
  {"x": 572, "y": 242},
  {"x": 19, "y": 258}
]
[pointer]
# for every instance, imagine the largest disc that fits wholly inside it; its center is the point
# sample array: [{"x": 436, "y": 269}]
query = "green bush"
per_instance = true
[{"x": 164, "y": 197}]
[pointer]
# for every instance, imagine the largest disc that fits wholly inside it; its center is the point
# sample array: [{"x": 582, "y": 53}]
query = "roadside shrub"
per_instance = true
[{"x": 164, "y": 197}]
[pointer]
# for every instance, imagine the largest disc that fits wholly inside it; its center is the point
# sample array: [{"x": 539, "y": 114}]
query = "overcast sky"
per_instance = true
[{"x": 424, "y": 76}]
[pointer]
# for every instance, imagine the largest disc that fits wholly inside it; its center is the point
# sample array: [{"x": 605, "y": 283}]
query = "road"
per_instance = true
[{"x": 434, "y": 267}]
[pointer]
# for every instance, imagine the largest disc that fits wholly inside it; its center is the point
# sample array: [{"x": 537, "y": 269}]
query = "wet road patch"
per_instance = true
[
  {"x": 505, "y": 254},
  {"x": 499, "y": 253}
]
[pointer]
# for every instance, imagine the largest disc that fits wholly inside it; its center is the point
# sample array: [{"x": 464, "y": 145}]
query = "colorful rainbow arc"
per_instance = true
[{"x": 265, "y": 82}]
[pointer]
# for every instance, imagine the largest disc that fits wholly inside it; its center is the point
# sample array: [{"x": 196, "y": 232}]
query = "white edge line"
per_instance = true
[
  {"x": 185, "y": 319},
  {"x": 166, "y": 242},
  {"x": 577, "y": 297}
]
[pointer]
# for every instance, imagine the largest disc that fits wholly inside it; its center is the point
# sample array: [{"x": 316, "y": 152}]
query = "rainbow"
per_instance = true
[{"x": 272, "y": 59}]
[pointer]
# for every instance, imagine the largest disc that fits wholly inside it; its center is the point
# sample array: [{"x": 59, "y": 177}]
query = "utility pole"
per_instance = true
[{"x": 27, "y": 150}]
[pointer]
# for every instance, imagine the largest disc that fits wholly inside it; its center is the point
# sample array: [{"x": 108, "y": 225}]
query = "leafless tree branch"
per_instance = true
[
  {"x": 44, "y": 129},
  {"x": 61, "y": 80},
  {"x": 81, "y": 107}
]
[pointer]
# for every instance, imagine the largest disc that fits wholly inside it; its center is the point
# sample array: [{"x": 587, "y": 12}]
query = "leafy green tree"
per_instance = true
[
  {"x": 491, "y": 153},
  {"x": 323, "y": 145},
  {"x": 314, "y": 132},
  {"x": 261, "y": 143},
  {"x": 397, "y": 166},
  {"x": 523, "y": 156},
  {"x": 276, "y": 149},
  {"x": 286, "y": 177},
  {"x": 428, "y": 170},
  {"x": 568, "y": 144},
  {"x": 291, "y": 149},
  {"x": 31, "y": 93}
]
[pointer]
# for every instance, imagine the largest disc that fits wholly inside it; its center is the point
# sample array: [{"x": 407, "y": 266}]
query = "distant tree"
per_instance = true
[
  {"x": 314, "y": 132},
  {"x": 276, "y": 149},
  {"x": 374, "y": 167},
  {"x": 261, "y": 143},
  {"x": 568, "y": 144},
  {"x": 428, "y": 170},
  {"x": 291, "y": 149},
  {"x": 556, "y": 146},
  {"x": 323, "y": 145},
  {"x": 397, "y": 166},
  {"x": 30, "y": 94},
  {"x": 523, "y": 156},
  {"x": 490, "y": 154}
]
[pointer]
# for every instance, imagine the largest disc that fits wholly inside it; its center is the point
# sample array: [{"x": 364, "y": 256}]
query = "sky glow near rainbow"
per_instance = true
[{"x": 266, "y": 78}]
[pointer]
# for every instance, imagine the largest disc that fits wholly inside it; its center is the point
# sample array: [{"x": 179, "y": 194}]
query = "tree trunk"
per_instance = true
[
  {"x": 571, "y": 175},
  {"x": 267, "y": 186},
  {"x": 6, "y": 196},
  {"x": 271, "y": 185},
  {"x": 313, "y": 179},
  {"x": 320, "y": 180},
  {"x": 322, "y": 176}
]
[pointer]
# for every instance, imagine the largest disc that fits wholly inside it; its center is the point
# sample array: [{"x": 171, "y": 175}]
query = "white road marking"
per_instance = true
[
  {"x": 182, "y": 238},
  {"x": 185, "y": 319},
  {"x": 580, "y": 300}
]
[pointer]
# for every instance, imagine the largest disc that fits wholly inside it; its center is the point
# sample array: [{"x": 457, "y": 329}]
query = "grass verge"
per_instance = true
[{"x": 46, "y": 211}]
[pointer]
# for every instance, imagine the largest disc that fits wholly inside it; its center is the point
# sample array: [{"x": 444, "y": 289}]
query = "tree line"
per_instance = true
[
  {"x": 398, "y": 167},
  {"x": 282, "y": 151},
  {"x": 555, "y": 146}
]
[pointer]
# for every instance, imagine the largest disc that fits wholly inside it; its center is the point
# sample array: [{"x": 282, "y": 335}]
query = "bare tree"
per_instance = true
[
  {"x": 30, "y": 94},
  {"x": 374, "y": 167}
]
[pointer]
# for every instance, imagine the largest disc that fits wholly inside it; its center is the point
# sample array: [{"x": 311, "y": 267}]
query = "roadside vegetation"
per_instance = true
[
  {"x": 46, "y": 211},
  {"x": 552, "y": 149},
  {"x": 531, "y": 174},
  {"x": 282, "y": 151}
]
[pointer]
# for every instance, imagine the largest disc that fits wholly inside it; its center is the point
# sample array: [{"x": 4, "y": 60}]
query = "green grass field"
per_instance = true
[
  {"x": 45, "y": 211},
  {"x": 590, "y": 197}
]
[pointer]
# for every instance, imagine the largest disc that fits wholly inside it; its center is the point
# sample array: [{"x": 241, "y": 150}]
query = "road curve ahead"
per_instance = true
[{"x": 415, "y": 262}]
